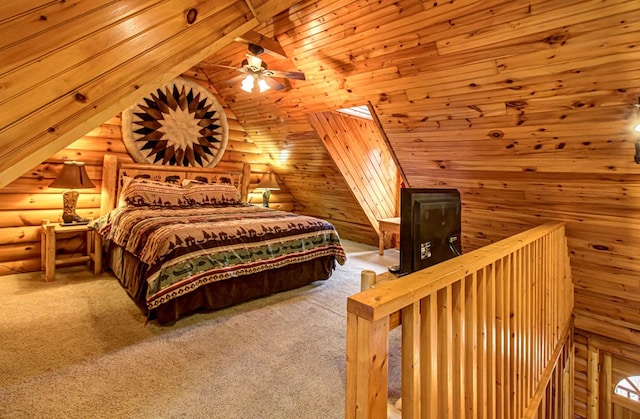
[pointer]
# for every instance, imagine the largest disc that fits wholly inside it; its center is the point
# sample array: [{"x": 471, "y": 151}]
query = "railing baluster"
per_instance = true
[
  {"x": 448, "y": 348},
  {"x": 472, "y": 352},
  {"x": 482, "y": 344},
  {"x": 458, "y": 348},
  {"x": 500, "y": 328},
  {"x": 520, "y": 356},
  {"x": 411, "y": 361},
  {"x": 491, "y": 340},
  {"x": 430, "y": 343}
]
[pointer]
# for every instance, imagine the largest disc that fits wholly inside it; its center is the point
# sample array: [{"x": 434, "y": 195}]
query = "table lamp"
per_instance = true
[
  {"x": 72, "y": 176},
  {"x": 267, "y": 184}
]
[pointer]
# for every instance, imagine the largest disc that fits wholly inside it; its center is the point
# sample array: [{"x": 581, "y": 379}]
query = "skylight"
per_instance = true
[{"x": 358, "y": 112}]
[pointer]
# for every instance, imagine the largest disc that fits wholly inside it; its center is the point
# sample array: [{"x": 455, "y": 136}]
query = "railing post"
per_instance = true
[
  {"x": 367, "y": 367},
  {"x": 411, "y": 361}
]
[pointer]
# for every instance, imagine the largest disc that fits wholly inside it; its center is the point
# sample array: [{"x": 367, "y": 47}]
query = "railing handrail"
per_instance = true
[{"x": 377, "y": 303}]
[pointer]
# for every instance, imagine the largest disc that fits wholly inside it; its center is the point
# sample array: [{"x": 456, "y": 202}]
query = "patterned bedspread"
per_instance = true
[{"x": 185, "y": 248}]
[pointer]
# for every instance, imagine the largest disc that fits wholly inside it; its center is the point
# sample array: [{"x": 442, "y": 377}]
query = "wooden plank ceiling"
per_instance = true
[
  {"x": 525, "y": 106},
  {"x": 65, "y": 67}
]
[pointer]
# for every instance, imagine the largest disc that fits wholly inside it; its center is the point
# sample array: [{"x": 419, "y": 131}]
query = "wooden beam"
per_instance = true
[{"x": 271, "y": 46}]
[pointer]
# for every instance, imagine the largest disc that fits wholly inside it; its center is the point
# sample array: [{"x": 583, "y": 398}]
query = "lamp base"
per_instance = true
[
  {"x": 74, "y": 223},
  {"x": 73, "y": 220},
  {"x": 265, "y": 198},
  {"x": 69, "y": 216},
  {"x": 79, "y": 223}
]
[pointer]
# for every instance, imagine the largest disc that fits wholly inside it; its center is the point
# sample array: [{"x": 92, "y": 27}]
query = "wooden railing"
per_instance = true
[{"x": 484, "y": 335}]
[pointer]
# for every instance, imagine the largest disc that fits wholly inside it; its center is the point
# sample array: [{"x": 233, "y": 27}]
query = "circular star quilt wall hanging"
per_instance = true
[{"x": 179, "y": 124}]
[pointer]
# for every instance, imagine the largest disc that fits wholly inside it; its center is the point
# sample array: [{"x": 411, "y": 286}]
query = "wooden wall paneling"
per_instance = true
[
  {"x": 13, "y": 252},
  {"x": 539, "y": 20},
  {"x": 44, "y": 201},
  {"x": 350, "y": 144},
  {"x": 30, "y": 217}
]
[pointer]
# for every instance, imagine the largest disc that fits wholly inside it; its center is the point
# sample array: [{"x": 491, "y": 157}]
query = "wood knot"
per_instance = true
[
  {"x": 557, "y": 39},
  {"x": 191, "y": 15},
  {"x": 80, "y": 97},
  {"x": 497, "y": 134},
  {"x": 516, "y": 104}
]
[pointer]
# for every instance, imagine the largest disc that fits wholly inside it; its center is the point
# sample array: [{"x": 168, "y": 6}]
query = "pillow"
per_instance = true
[
  {"x": 126, "y": 180},
  {"x": 146, "y": 192},
  {"x": 212, "y": 194}
]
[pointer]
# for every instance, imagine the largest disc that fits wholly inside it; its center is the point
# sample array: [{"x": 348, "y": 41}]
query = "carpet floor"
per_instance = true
[{"x": 78, "y": 347}]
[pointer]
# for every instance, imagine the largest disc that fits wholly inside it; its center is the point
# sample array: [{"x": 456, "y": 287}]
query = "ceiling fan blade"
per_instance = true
[
  {"x": 254, "y": 62},
  {"x": 235, "y": 79},
  {"x": 296, "y": 75},
  {"x": 228, "y": 66},
  {"x": 274, "y": 84}
]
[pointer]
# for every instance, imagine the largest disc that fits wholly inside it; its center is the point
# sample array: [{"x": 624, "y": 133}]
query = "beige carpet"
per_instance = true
[{"x": 78, "y": 347}]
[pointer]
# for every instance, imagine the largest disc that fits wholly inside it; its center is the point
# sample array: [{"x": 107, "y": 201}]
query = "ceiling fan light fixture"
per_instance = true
[
  {"x": 263, "y": 85},
  {"x": 247, "y": 83}
]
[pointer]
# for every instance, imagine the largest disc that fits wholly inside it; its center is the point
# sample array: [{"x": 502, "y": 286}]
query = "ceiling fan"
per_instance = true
[{"x": 258, "y": 75}]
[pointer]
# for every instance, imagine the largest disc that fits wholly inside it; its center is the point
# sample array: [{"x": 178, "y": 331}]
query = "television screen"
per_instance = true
[{"x": 430, "y": 227}]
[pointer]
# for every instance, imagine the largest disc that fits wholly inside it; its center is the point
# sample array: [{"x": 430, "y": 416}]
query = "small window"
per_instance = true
[
  {"x": 629, "y": 387},
  {"x": 358, "y": 112}
]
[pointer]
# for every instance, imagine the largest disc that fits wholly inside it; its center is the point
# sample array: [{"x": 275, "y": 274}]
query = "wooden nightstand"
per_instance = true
[{"x": 48, "y": 259}]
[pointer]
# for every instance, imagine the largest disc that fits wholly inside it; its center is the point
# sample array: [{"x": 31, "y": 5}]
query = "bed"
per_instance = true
[{"x": 181, "y": 240}]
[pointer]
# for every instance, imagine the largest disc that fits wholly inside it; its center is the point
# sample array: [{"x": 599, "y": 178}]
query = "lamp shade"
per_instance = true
[
  {"x": 268, "y": 183},
  {"x": 72, "y": 176},
  {"x": 247, "y": 83}
]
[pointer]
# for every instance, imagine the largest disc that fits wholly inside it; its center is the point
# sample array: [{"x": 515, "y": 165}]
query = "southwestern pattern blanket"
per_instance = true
[{"x": 185, "y": 248}]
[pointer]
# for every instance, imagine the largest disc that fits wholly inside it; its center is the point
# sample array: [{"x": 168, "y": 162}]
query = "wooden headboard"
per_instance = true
[{"x": 113, "y": 172}]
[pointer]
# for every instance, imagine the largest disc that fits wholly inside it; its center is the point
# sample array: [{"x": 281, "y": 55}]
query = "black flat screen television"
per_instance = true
[{"x": 430, "y": 227}]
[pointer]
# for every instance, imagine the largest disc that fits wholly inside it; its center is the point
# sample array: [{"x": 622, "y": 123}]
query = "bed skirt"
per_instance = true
[{"x": 218, "y": 294}]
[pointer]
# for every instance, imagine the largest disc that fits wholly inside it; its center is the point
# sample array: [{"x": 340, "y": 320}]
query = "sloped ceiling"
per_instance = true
[
  {"x": 65, "y": 67},
  {"x": 526, "y": 107}
]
